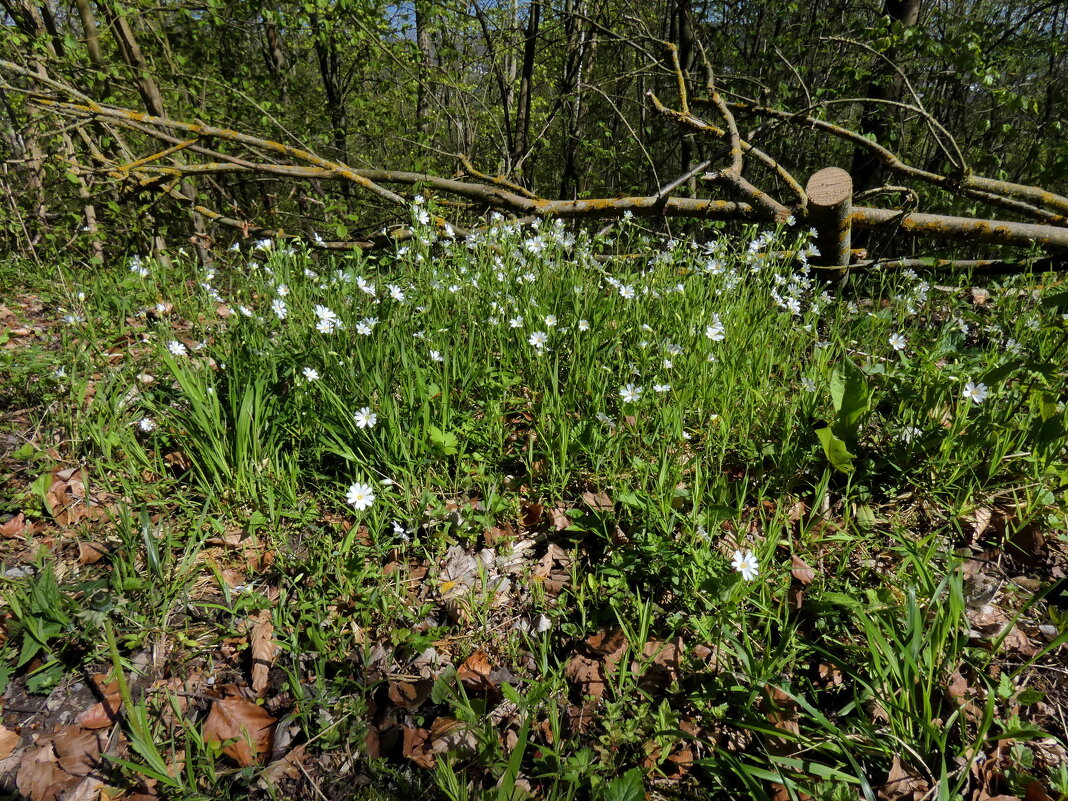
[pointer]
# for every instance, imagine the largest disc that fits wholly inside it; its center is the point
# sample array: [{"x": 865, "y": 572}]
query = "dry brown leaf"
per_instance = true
[
  {"x": 238, "y": 718},
  {"x": 598, "y": 501},
  {"x": 475, "y": 672},
  {"x": 532, "y": 514},
  {"x": 287, "y": 767},
  {"x": 12, "y": 529},
  {"x": 495, "y": 534},
  {"x": 606, "y": 642},
  {"x": 8, "y": 741},
  {"x": 410, "y": 695},
  {"x": 415, "y": 747},
  {"x": 103, "y": 713},
  {"x": 39, "y": 777},
  {"x": 553, "y": 570},
  {"x": 904, "y": 783},
  {"x": 980, "y": 520},
  {"x": 1018, "y": 642},
  {"x": 263, "y": 649},
  {"x": 559, "y": 518},
  {"x": 89, "y": 553},
  {"x": 801, "y": 570},
  {"x": 587, "y": 673},
  {"x": 1035, "y": 792},
  {"x": 77, "y": 751},
  {"x": 663, "y": 666},
  {"x": 449, "y": 734},
  {"x": 88, "y": 789},
  {"x": 58, "y": 765}
]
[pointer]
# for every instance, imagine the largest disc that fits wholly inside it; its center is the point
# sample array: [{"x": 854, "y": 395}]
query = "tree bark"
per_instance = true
[
  {"x": 153, "y": 100},
  {"x": 526, "y": 88},
  {"x": 886, "y": 84},
  {"x": 426, "y": 60}
]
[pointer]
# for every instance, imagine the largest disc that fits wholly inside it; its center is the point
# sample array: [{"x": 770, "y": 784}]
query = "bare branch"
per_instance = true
[{"x": 1005, "y": 190}]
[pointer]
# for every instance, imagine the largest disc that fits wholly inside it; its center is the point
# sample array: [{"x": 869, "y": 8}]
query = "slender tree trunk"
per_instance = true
[
  {"x": 526, "y": 87},
  {"x": 153, "y": 100},
  {"x": 886, "y": 84},
  {"x": 326, "y": 53},
  {"x": 571, "y": 89},
  {"x": 276, "y": 60},
  {"x": 426, "y": 62}
]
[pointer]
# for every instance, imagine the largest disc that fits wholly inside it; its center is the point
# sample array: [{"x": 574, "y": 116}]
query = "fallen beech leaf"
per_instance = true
[
  {"x": 798, "y": 511},
  {"x": 263, "y": 648},
  {"x": 58, "y": 765},
  {"x": 532, "y": 514},
  {"x": 606, "y": 642},
  {"x": 449, "y": 734},
  {"x": 238, "y": 718},
  {"x": 559, "y": 517},
  {"x": 801, "y": 570},
  {"x": 903, "y": 783},
  {"x": 1019, "y": 642},
  {"x": 598, "y": 501},
  {"x": 415, "y": 747},
  {"x": 8, "y": 741},
  {"x": 88, "y": 789},
  {"x": 474, "y": 673},
  {"x": 587, "y": 673},
  {"x": 553, "y": 570},
  {"x": 286, "y": 767},
  {"x": 663, "y": 665},
  {"x": 39, "y": 777},
  {"x": 1035, "y": 792},
  {"x": 102, "y": 714},
  {"x": 78, "y": 752},
  {"x": 981, "y": 519},
  {"x": 89, "y": 553},
  {"x": 410, "y": 695},
  {"x": 13, "y": 528}
]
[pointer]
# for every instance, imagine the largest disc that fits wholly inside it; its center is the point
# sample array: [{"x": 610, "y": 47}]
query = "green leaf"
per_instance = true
[
  {"x": 628, "y": 787},
  {"x": 843, "y": 600},
  {"x": 865, "y": 517},
  {"x": 836, "y": 450},
  {"x": 1060, "y": 300},
  {"x": 998, "y": 374},
  {"x": 851, "y": 398},
  {"x": 443, "y": 442}
]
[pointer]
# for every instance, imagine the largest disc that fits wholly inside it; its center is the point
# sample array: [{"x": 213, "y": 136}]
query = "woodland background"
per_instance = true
[{"x": 552, "y": 97}]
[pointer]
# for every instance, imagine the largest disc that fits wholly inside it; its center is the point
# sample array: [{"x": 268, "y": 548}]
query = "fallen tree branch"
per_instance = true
[{"x": 1054, "y": 207}]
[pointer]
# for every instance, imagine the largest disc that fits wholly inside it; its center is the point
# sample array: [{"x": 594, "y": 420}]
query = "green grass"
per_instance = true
[{"x": 716, "y": 398}]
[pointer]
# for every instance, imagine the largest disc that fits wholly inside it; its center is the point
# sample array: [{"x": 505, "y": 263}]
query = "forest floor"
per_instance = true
[{"x": 499, "y": 520}]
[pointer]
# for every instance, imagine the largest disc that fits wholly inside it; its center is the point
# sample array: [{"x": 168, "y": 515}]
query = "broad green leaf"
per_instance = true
[
  {"x": 444, "y": 442},
  {"x": 836, "y": 450},
  {"x": 628, "y": 787},
  {"x": 851, "y": 398}
]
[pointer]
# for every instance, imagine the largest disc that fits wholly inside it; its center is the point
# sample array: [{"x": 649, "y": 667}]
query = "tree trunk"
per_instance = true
[
  {"x": 153, "y": 100},
  {"x": 276, "y": 60},
  {"x": 876, "y": 118},
  {"x": 526, "y": 86},
  {"x": 426, "y": 61},
  {"x": 571, "y": 90}
]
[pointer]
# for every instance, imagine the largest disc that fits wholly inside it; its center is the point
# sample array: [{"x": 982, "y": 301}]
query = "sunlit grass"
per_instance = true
[{"x": 431, "y": 394}]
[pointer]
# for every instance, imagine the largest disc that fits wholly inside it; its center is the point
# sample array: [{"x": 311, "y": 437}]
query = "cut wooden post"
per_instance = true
[{"x": 830, "y": 196}]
